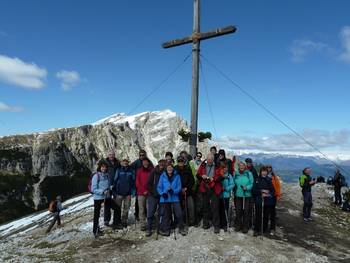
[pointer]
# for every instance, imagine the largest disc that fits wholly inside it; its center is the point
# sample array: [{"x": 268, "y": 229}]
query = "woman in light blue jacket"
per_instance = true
[
  {"x": 101, "y": 189},
  {"x": 227, "y": 186}
]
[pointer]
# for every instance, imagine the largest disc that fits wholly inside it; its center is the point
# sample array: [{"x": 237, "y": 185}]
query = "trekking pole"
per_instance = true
[
  {"x": 262, "y": 217},
  {"x": 173, "y": 217},
  {"x": 227, "y": 224},
  {"x": 186, "y": 209}
]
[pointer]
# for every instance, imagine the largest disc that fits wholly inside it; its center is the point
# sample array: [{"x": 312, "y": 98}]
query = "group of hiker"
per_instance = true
[{"x": 185, "y": 191}]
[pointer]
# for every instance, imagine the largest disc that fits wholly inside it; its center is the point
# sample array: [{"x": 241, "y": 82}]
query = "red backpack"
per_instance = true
[
  {"x": 52, "y": 207},
  {"x": 90, "y": 182}
]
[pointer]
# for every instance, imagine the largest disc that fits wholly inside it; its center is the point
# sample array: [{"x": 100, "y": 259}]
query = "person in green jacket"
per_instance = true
[
  {"x": 243, "y": 181},
  {"x": 227, "y": 186},
  {"x": 306, "y": 182}
]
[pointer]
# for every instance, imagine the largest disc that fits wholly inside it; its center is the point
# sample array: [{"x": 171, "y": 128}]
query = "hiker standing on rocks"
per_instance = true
[
  {"x": 187, "y": 182},
  {"x": 338, "y": 182},
  {"x": 142, "y": 176},
  {"x": 137, "y": 164},
  {"x": 263, "y": 192},
  {"x": 113, "y": 165},
  {"x": 243, "y": 180},
  {"x": 55, "y": 208},
  {"x": 276, "y": 197},
  {"x": 209, "y": 178},
  {"x": 100, "y": 185},
  {"x": 153, "y": 196},
  {"x": 227, "y": 186},
  {"x": 123, "y": 188},
  {"x": 306, "y": 183},
  {"x": 169, "y": 187}
]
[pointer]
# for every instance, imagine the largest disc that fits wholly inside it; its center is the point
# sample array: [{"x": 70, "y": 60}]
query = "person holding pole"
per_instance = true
[
  {"x": 243, "y": 195},
  {"x": 227, "y": 186},
  {"x": 263, "y": 192},
  {"x": 169, "y": 188}
]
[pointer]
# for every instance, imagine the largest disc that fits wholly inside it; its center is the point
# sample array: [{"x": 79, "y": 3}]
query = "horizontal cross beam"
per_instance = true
[{"x": 200, "y": 36}]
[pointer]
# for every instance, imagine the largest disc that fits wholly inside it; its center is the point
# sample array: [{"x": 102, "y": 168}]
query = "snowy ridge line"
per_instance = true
[{"x": 31, "y": 222}]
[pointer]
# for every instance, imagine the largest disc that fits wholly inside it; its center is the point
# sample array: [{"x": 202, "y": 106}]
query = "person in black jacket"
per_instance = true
[
  {"x": 113, "y": 166},
  {"x": 338, "y": 182},
  {"x": 263, "y": 191},
  {"x": 153, "y": 196},
  {"x": 186, "y": 197}
]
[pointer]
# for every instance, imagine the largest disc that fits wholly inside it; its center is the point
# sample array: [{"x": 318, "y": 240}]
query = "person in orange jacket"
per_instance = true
[{"x": 277, "y": 196}]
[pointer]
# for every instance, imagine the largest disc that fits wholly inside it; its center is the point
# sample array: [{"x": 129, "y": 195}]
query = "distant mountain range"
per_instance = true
[{"x": 289, "y": 167}]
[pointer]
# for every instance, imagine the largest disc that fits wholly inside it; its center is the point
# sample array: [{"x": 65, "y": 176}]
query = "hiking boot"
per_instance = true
[
  {"x": 306, "y": 220},
  {"x": 206, "y": 226},
  {"x": 256, "y": 233},
  {"x": 245, "y": 230},
  {"x": 163, "y": 233},
  {"x": 225, "y": 228},
  {"x": 183, "y": 232},
  {"x": 124, "y": 225},
  {"x": 107, "y": 224},
  {"x": 237, "y": 228},
  {"x": 310, "y": 219},
  {"x": 148, "y": 233},
  {"x": 216, "y": 230},
  {"x": 117, "y": 226}
]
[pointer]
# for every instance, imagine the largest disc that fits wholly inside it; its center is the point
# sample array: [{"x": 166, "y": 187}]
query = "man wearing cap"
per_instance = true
[
  {"x": 123, "y": 187},
  {"x": 113, "y": 165},
  {"x": 187, "y": 182},
  {"x": 251, "y": 168}
]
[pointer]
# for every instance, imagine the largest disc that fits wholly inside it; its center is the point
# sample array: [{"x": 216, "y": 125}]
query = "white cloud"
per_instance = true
[
  {"x": 19, "y": 73},
  {"x": 69, "y": 79},
  {"x": 300, "y": 49},
  {"x": 321, "y": 139},
  {"x": 345, "y": 39},
  {"x": 8, "y": 108}
]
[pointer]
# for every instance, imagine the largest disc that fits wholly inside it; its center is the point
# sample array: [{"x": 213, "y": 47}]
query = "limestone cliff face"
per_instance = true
[{"x": 63, "y": 157}]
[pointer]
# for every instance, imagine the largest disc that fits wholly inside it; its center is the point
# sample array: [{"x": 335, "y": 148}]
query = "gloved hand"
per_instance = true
[
  {"x": 165, "y": 195},
  {"x": 171, "y": 191}
]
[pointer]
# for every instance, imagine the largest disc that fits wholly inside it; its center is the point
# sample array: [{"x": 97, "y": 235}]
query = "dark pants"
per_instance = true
[
  {"x": 189, "y": 214},
  {"x": 307, "y": 204},
  {"x": 262, "y": 215},
  {"x": 198, "y": 200},
  {"x": 97, "y": 210},
  {"x": 224, "y": 211},
  {"x": 211, "y": 209},
  {"x": 109, "y": 205},
  {"x": 136, "y": 214},
  {"x": 56, "y": 218},
  {"x": 337, "y": 195},
  {"x": 170, "y": 213},
  {"x": 243, "y": 212},
  {"x": 273, "y": 214},
  {"x": 152, "y": 206}
]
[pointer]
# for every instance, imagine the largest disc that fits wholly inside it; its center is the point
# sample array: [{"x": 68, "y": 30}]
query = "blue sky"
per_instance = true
[{"x": 66, "y": 63}]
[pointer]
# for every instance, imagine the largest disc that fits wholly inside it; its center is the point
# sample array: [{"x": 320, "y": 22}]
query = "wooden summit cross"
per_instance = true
[{"x": 195, "y": 39}]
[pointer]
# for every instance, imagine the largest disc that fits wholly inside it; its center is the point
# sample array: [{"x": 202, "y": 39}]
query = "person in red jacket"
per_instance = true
[
  {"x": 142, "y": 175},
  {"x": 209, "y": 178}
]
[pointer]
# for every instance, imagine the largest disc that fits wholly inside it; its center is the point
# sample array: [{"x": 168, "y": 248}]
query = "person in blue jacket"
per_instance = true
[
  {"x": 227, "y": 186},
  {"x": 101, "y": 190},
  {"x": 169, "y": 188},
  {"x": 263, "y": 191}
]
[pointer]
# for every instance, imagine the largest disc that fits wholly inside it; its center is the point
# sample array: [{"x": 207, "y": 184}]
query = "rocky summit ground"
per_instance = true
[{"x": 326, "y": 239}]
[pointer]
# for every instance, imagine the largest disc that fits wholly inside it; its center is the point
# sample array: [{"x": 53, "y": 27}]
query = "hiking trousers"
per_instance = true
[
  {"x": 273, "y": 214},
  {"x": 337, "y": 195},
  {"x": 307, "y": 197},
  {"x": 142, "y": 201},
  {"x": 56, "y": 218},
  {"x": 243, "y": 214},
  {"x": 211, "y": 209},
  {"x": 123, "y": 203},
  {"x": 110, "y": 204},
  {"x": 190, "y": 209},
  {"x": 224, "y": 211},
  {"x": 171, "y": 213},
  {"x": 152, "y": 206},
  {"x": 262, "y": 215}
]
